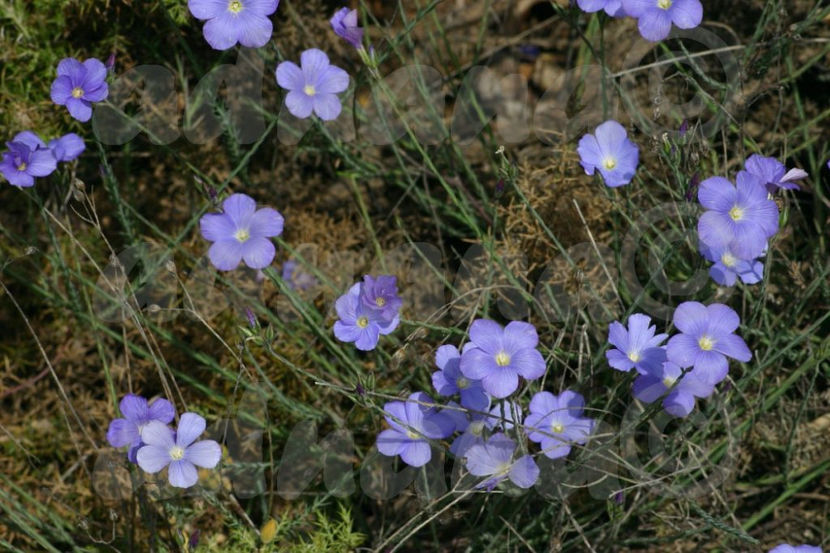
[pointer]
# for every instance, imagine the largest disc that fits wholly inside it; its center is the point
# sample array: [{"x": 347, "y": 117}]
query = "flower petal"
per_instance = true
[
  {"x": 326, "y": 106},
  {"x": 258, "y": 252},
  {"x": 182, "y": 474},
  {"x": 290, "y": 76},
  {"x": 205, "y": 454},
  {"x": 190, "y": 427},
  {"x": 152, "y": 458},
  {"x": 225, "y": 254}
]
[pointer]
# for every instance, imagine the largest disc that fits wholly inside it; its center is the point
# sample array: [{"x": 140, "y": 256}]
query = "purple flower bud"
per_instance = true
[{"x": 110, "y": 64}]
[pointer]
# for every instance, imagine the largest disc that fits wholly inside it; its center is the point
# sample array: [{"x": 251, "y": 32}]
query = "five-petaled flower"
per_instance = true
[
  {"x": 707, "y": 338},
  {"x": 609, "y": 151},
  {"x": 684, "y": 388},
  {"x": 498, "y": 356},
  {"x": 241, "y": 232},
  {"x": 230, "y": 21},
  {"x": 495, "y": 459},
  {"x": 137, "y": 415},
  {"x": 360, "y": 324},
  {"x": 79, "y": 85},
  {"x": 27, "y": 157},
  {"x": 741, "y": 218},
  {"x": 638, "y": 347},
  {"x": 177, "y": 450},
  {"x": 413, "y": 423},
  {"x": 314, "y": 87},
  {"x": 449, "y": 381},
  {"x": 655, "y": 17},
  {"x": 556, "y": 422}
]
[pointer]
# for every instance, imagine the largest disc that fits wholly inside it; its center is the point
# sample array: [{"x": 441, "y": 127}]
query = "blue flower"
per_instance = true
[
  {"x": 381, "y": 294},
  {"x": 68, "y": 147},
  {"x": 495, "y": 460},
  {"x": 449, "y": 381},
  {"x": 684, "y": 388},
  {"x": 230, "y": 21},
  {"x": 612, "y": 7},
  {"x": 773, "y": 173},
  {"x": 728, "y": 267},
  {"x": 345, "y": 25},
  {"x": 638, "y": 347},
  {"x": 79, "y": 85},
  {"x": 314, "y": 86},
  {"x": 556, "y": 422},
  {"x": 359, "y": 324},
  {"x": 27, "y": 157},
  {"x": 611, "y": 152},
  {"x": 655, "y": 17},
  {"x": 413, "y": 423}
]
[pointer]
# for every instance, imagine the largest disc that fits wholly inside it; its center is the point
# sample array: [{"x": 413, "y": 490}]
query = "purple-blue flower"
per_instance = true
[
  {"x": 504, "y": 415},
  {"x": 232, "y": 21},
  {"x": 612, "y": 7},
  {"x": 381, "y": 294},
  {"x": 494, "y": 459},
  {"x": 611, "y": 152},
  {"x": 655, "y": 17},
  {"x": 498, "y": 356},
  {"x": 471, "y": 435},
  {"x": 707, "y": 338},
  {"x": 295, "y": 277},
  {"x": 241, "y": 232},
  {"x": 27, "y": 157},
  {"x": 177, "y": 450},
  {"x": 314, "y": 87},
  {"x": 345, "y": 25},
  {"x": 741, "y": 218},
  {"x": 449, "y": 381},
  {"x": 680, "y": 401},
  {"x": 359, "y": 324},
  {"x": 773, "y": 174},
  {"x": 413, "y": 423},
  {"x": 68, "y": 147},
  {"x": 137, "y": 415},
  {"x": 728, "y": 266},
  {"x": 787, "y": 548},
  {"x": 556, "y": 422},
  {"x": 637, "y": 347},
  {"x": 79, "y": 85}
]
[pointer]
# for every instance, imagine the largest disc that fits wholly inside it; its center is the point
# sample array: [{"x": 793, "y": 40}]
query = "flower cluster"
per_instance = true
[
  {"x": 492, "y": 431},
  {"x": 690, "y": 365},
  {"x": 29, "y": 157},
  {"x": 368, "y": 310},
  {"x": 154, "y": 445}
]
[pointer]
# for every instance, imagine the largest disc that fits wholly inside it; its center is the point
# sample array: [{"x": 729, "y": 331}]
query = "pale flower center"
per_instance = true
[
  {"x": 362, "y": 322},
  {"x": 242, "y": 235},
  {"x": 77, "y": 92},
  {"x": 736, "y": 213},
  {"x": 664, "y": 4},
  {"x": 476, "y": 428},
  {"x": 310, "y": 90},
  {"x": 380, "y": 301},
  {"x": 727, "y": 259},
  {"x": 502, "y": 359},
  {"x": 22, "y": 166},
  {"x": 412, "y": 435},
  {"x": 634, "y": 356},
  {"x": 557, "y": 428},
  {"x": 462, "y": 382},
  {"x": 176, "y": 453},
  {"x": 668, "y": 382},
  {"x": 706, "y": 343},
  {"x": 235, "y": 6},
  {"x": 609, "y": 163}
]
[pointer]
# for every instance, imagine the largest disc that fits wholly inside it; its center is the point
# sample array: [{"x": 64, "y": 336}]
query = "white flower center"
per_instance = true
[
  {"x": 77, "y": 92},
  {"x": 557, "y": 428},
  {"x": 22, "y": 166},
  {"x": 634, "y": 356},
  {"x": 412, "y": 435},
  {"x": 664, "y": 4},
  {"x": 462, "y": 382},
  {"x": 728, "y": 259},
  {"x": 706, "y": 343},
  {"x": 362, "y": 322},
  {"x": 176, "y": 453},
  {"x": 736, "y": 213},
  {"x": 502, "y": 359},
  {"x": 668, "y": 381},
  {"x": 310, "y": 90},
  {"x": 235, "y": 6},
  {"x": 609, "y": 163},
  {"x": 242, "y": 235},
  {"x": 380, "y": 301},
  {"x": 476, "y": 428}
]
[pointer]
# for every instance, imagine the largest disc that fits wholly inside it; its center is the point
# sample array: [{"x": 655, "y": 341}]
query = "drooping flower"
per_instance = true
[
  {"x": 728, "y": 266},
  {"x": 359, "y": 324},
  {"x": 177, "y": 450},
  {"x": 707, "y": 338},
  {"x": 681, "y": 400},
  {"x": 137, "y": 415},
  {"x": 68, "y": 147},
  {"x": 773, "y": 174},
  {"x": 413, "y": 423},
  {"x": 494, "y": 459},
  {"x": 241, "y": 233},
  {"x": 787, "y": 548},
  {"x": 610, "y": 152},
  {"x": 612, "y": 7},
  {"x": 556, "y": 422},
  {"x": 449, "y": 381},
  {"x": 79, "y": 85},
  {"x": 345, "y": 25},
  {"x": 228, "y": 22},
  {"x": 381, "y": 294},
  {"x": 638, "y": 347},
  {"x": 741, "y": 218},
  {"x": 655, "y": 17},
  {"x": 498, "y": 356},
  {"x": 314, "y": 87},
  {"x": 27, "y": 157}
]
